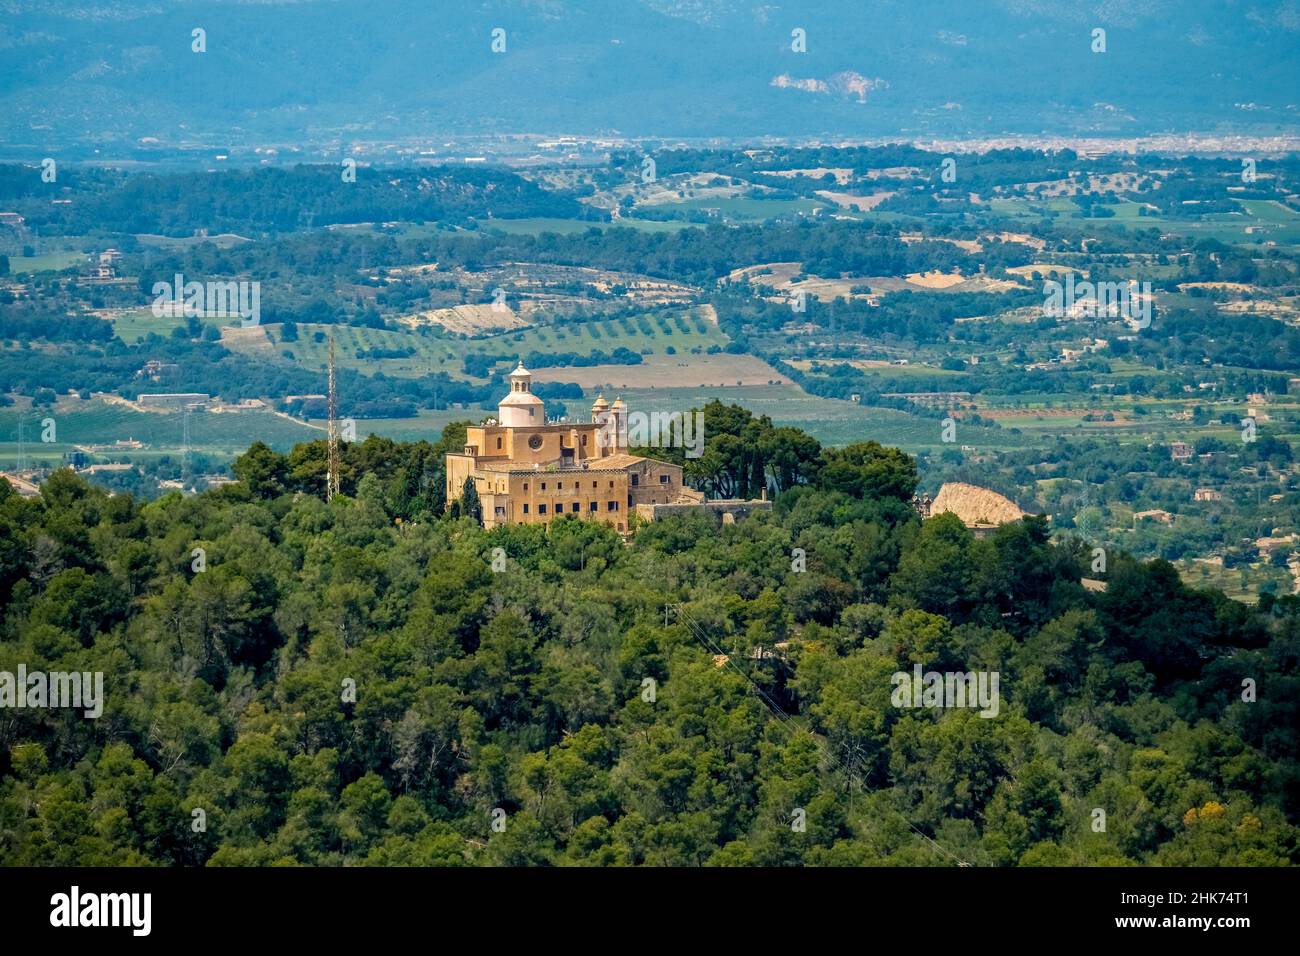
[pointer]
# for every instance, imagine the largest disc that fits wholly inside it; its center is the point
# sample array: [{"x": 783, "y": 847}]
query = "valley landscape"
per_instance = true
[{"x": 967, "y": 375}]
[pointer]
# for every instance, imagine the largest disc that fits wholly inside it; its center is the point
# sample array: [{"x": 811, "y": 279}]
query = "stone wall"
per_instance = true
[{"x": 722, "y": 510}]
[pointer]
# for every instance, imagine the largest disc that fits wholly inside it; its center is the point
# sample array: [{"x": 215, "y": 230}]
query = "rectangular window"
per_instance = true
[
  {"x": 525, "y": 509},
  {"x": 634, "y": 480},
  {"x": 611, "y": 506},
  {"x": 663, "y": 480},
  {"x": 532, "y": 413},
  {"x": 541, "y": 509},
  {"x": 525, "y": 486},
  {"x": 559, "y": 485},
  {"x": 576, "y": 507},
  {"x": 498, "y": 441},
  {"x": 595, "y": 506},
  {"x": 611, "y": 484},
  {"x": 543, "y": 486},
  {"x": 584, "y": 441}
]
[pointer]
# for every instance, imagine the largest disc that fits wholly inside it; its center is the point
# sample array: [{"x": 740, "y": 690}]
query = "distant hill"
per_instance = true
[
  {"x": 274, "y": 199},
  {"x": 111, "y": 72}
]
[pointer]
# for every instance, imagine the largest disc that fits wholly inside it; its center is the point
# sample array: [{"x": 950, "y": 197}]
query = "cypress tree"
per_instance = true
[{"x": 470, "y": 506}]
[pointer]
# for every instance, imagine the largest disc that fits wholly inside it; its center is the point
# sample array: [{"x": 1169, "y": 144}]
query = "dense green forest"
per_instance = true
[
  {"x": 371, "y": 681},
  {"x": 203, "y": 366},
  {"x": 269, "y": 200}
]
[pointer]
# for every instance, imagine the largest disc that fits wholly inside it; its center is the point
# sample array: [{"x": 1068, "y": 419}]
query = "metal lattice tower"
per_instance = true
[
  {"x": 22, "y": 443},
  {"x": 332, "y": 467}
]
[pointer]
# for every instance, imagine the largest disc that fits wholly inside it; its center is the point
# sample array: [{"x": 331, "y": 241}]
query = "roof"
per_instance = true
[
  {"x": 617, "y": 461},
  {"x": 609, "y": 463},
  {"x": 520, "y": 398}
]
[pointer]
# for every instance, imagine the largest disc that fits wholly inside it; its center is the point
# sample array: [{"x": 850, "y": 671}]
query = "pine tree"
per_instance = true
[
  {"x": 470, "y": 506},
  {"x": 757, "y": 477}
]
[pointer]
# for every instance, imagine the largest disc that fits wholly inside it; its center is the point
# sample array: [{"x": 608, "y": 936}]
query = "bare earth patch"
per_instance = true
[
  {"x": 1022, "y": 238},
  {"x": 247, "y": 340},
  {"x": 1229, "y": 286},
  {"x": 852, "y": 201},
  {"x": 936, "y": 279},
  {"x": 469, "y": 319},
  {"x": 1042, "y": 268}
]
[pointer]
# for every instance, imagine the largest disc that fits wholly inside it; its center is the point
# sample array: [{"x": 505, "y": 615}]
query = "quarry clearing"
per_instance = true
[
  {"x": 531, "y": 288},
  {"x": 781, "y": 276},
  {"x": 467, "y": 319},
  {"x": 1024, "y": 239}
]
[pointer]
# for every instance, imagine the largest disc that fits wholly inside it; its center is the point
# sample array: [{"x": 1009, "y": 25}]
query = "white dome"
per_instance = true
[{"x": 521, "y": 407}]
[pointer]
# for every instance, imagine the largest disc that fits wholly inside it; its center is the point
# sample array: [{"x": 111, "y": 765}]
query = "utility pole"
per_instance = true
[{"x": 332, "y": 432}]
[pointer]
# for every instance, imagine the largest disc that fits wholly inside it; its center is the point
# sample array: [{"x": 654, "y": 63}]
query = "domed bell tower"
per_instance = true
[{"x": 521, "y": 408}]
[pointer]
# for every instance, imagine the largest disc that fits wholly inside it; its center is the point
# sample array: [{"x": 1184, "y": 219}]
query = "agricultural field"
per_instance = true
[
  {"x": 1240, "y": 583},
  {"x": 46, "y": 262},
  {"x": 900, "y": 375},
  {"x": 564, "y": 227},
  {"x": 786, "y": 278},
  {"x": 426, "y": 426},
  {"x": 721, "y": 371},
  {"x": 925, "y": 272},
  {"x": 1257, "y": 222},
  {"x": 225, "y": 240},
  {"x": 830, "y": 421},
  {"x": 134, "y": 325},
  {"x": 682, "y": 330},
  {"x": 747, "y": 208},
  {"x": 101, "y": 423}
]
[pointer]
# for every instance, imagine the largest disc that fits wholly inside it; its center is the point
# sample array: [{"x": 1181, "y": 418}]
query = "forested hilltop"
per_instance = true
[{"x": 371, "y": 681}]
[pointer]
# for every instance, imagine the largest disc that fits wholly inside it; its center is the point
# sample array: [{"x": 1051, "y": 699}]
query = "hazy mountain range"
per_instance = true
[{"x": 109, "y": 72}]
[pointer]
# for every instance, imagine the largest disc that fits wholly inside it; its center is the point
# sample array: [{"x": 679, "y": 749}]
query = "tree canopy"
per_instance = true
[{"x": 357, "y": 682}]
